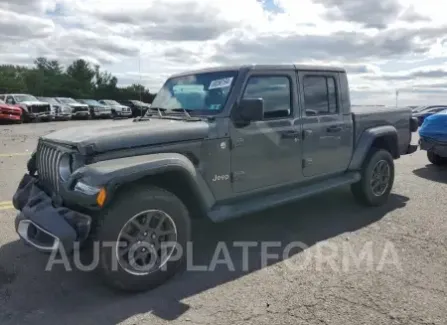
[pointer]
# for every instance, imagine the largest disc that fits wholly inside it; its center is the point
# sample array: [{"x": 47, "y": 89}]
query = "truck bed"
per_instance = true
[{"x": 371, "y": 116}]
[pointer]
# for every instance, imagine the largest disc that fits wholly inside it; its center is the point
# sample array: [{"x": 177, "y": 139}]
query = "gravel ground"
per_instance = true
[{"x": 402, "y": 282}]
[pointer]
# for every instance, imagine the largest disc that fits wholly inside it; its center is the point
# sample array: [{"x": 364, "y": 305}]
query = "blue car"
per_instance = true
[
  {"x": 433, "y": 138},
  {"x": 422, "y": 112}
]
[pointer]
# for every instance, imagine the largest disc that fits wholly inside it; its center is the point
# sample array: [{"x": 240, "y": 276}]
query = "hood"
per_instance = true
[
  {"x": 6, "y": 106},
  {"x": 33, "y": 102},
  {"x": 116, "y": 105},
  {"x": 77, "y": 105},
  {"x": 127, "y": 134}
]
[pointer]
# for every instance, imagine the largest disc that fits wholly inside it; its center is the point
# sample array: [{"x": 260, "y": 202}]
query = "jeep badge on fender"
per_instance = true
[{"x": 221, "y": 178}]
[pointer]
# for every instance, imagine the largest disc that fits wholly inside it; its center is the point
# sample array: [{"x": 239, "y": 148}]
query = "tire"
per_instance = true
[
  {"x": 436, "y": 159},
  {"x": 25, "y": 117},
  {"x": 127, "y": 204},
  {"x": 363, "y": 190}
]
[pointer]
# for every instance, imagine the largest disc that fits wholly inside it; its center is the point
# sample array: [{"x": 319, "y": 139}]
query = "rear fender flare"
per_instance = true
[{"x": 365, "y": 142}]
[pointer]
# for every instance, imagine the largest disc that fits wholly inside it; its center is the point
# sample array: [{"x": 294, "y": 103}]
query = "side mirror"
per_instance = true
[{"x": 251, "y": 109}]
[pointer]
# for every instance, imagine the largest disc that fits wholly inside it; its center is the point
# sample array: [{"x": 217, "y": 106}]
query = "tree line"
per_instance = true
[{"x": 78, "y": 80}]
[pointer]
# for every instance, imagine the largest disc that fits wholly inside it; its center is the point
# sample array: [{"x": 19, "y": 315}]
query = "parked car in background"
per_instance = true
[
  {"x": 433, "y": 138},
  {"x": 32, "y": 108},
  {"x": 422, "y": 112},
  {"x": 118, "y": 110},
  {"x": 10, "y": 113},
  {"x": 97, "y": 110},
  {"x": 138, "y": 108},
  {"x": 60, "y": 112},
  {"x": 78, "y": 110}
]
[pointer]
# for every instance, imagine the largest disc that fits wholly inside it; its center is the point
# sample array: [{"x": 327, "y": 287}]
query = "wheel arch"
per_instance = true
[
  {"x": 170, "y": 171},
  {"x": 383, "y": 137}
]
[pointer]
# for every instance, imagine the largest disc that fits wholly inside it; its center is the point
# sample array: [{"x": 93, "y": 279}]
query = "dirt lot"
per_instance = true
[{"x": 405, "y": 282}]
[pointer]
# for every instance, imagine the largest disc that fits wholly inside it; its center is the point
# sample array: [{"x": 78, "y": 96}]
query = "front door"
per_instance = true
[
  {"x": 267, "y": 153},
  {"x": 327, "y": 130}
]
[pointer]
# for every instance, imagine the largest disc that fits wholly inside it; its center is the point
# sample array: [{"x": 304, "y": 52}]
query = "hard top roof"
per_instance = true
[{"x": 264, "y": 67}]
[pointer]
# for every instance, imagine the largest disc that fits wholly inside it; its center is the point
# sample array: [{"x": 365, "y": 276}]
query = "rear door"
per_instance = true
[{"x": 327, "y": 129}]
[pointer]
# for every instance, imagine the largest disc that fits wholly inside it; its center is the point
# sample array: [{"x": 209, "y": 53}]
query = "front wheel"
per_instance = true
[
  {"x": 377, "y": 179},
  {"x": 436, "y": 159},
  {"x": 143, "y": 238}
]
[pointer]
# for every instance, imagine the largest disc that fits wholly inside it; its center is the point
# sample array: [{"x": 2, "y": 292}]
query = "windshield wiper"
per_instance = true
[
  {"x": 184, "y": 110},
  {"x": 148, "y": 115},
  {"x": 158, "y": 109}
]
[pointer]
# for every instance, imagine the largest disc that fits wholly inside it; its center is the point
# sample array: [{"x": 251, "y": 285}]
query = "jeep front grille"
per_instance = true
[{"x": 47, "y": 159}]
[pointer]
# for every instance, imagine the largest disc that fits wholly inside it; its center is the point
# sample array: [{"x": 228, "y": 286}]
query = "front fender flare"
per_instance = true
[
  {"x": 365, "y": 142},
  {"x": 116, "y": 172}
]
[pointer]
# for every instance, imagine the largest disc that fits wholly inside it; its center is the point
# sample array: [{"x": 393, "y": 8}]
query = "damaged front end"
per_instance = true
[{"x": 42, "y": 221}]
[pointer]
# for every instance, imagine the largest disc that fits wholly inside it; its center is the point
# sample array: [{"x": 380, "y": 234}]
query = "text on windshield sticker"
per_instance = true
[{"x": 220, "y": 83}]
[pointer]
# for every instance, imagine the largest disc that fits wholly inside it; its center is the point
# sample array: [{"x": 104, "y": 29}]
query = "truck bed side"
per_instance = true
[{"x": 370, "y": 117}]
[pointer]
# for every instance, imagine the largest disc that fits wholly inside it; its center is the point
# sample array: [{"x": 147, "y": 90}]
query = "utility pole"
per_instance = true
[{"x": 139, "y": 71}]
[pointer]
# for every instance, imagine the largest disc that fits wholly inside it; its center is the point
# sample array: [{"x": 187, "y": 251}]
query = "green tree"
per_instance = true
[
  {"x": 78, "y": 80},
  {"x": 81, "y": 78}
]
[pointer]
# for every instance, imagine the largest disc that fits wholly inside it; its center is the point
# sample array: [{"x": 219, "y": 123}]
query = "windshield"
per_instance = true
[
  {"x": 91, "y": 102},
  {"x": 111, "y": 102},
  {"x": 67, "y": 101},
  {"x": 204, "y": 93},
  {"x": 25, "y": 98}
]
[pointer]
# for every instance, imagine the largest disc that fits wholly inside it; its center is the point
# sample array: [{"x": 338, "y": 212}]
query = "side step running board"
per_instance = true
[{"x": 225, "y": 212}]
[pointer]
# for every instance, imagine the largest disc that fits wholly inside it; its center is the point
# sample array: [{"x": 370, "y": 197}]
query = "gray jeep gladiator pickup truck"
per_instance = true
[{"x": 216, "y": 143}]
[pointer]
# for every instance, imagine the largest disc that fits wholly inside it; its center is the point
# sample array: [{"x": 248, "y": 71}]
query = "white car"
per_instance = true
[
  {"x": 117, "y": 108},
  {"x": 78, "y": 110},
  {"x": 60, "y": 112},
  {"x": 32, "y": 108}
]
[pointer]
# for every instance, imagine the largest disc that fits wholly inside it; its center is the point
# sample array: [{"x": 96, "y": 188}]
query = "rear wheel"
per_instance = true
[
  {"x": 377, "y": 178},
  {"x": 142, "y": 237},
  {"x": 436, "y": 159}
]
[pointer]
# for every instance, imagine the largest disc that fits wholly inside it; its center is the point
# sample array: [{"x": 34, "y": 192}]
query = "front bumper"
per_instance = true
[
  {"x": 438, "y": 147},
  {"x": 63, "y": 116},
  {"x": 10, "y": 117},
  {"x": 103, "y": 113},
  {"x": 47, "y": 116},
  {"x": 41, "y": 224},
  {"x": 124, "y": 113},
  {"x": 81, "y": 114}
]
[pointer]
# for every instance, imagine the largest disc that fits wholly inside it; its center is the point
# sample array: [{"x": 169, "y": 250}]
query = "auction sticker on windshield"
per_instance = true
[{"x": 220, "y": 83}]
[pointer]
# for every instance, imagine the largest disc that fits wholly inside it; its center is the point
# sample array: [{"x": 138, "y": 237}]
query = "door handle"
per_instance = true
[
  {"x": 334, "y": 128},
  {"x": 290, "y": 134}
]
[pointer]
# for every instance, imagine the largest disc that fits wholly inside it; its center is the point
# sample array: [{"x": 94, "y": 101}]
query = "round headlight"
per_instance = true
[{"x": 65, "y": 166}]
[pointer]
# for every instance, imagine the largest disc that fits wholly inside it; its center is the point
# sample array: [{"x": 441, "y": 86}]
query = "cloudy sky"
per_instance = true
[{"x": 384, "y": 44}]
